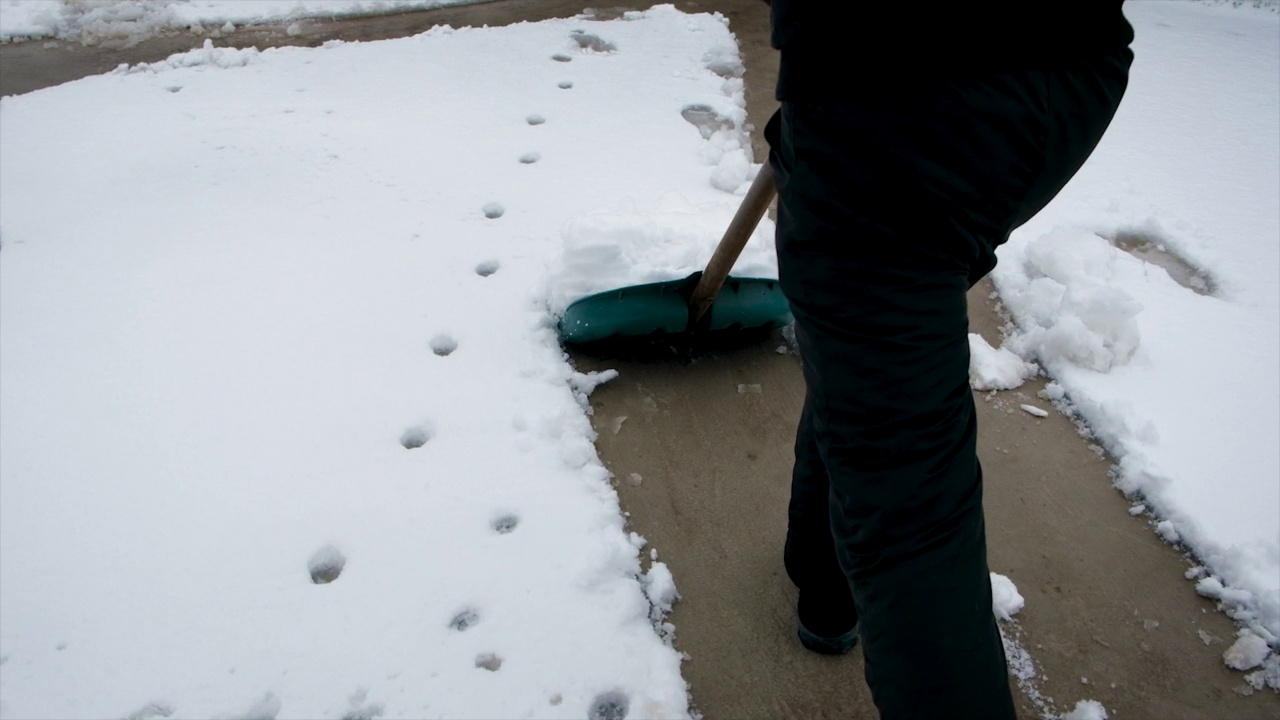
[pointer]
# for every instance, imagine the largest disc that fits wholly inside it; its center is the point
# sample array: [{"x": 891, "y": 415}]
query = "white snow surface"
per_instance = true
[
  {"x": 255, "y": 325},
  {"x": 1178, "y": 380},
  {"x": 93, "y": 21}
]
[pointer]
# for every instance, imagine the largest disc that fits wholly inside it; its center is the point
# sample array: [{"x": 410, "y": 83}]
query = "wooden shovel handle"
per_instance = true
[{"x": 753, "y": 207}]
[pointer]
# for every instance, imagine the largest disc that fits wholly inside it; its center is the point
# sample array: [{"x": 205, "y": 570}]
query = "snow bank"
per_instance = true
[
  {"x": 131, "y": 21},
  {"x": 1147, "y": 290}
]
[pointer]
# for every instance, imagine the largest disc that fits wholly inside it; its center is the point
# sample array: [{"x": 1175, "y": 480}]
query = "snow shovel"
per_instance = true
[{"x": 706, "y": 302}]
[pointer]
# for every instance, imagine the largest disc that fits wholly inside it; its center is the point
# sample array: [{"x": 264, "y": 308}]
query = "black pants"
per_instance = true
[{"x": 891, "y": 205}]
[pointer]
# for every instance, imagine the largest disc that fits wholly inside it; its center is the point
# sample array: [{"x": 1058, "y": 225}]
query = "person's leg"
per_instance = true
[
  {"x": 825, "y": 605},
  {"x": 890, "y": 207},
  {"x": 825, "y": 602}
]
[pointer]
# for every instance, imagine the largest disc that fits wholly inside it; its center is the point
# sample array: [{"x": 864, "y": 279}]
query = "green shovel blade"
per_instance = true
[{"x": 663, "y": 308}]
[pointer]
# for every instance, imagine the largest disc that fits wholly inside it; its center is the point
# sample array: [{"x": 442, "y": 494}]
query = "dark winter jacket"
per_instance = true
[{"x": 828, "y": 47}]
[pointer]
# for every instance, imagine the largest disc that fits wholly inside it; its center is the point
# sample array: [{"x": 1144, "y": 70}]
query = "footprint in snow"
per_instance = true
[
  {"x": 504, "y": 524},
  {"x": 565, "y": 85},
  {"x": 706, "y": 119},
  {"x": 561, "y": 57},
  {"x": 592, "y": 43},
  {"x": 535, "y": 119},
  {"x": 493, "y": 210},
  {"x": 487, "y": 268},
  {"x": 444, "y": 345},
  {"x": 530, "y": 158},
  {"x": 326, "y": 565},
  {"x": 464, "y": 619},
  {"x": 415, "y": 437},
  {"x": 488, "y": 661},
  {"x": 612, "y": 705}
]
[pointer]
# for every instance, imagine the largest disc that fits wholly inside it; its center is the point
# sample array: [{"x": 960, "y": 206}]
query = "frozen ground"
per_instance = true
[
  {"x": 270, "y": 320},
  {"x": 1150, "y": 292},
  {"x": 92, "y": 21}
]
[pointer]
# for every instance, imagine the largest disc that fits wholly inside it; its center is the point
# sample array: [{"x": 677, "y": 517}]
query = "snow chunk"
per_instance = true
[
  {"x": 1073, "y": 314},
  {"x": 1167, "y": 531},
  {"x": 1033, "y": 410},
  {"x": 660, "y": 587},
  {"x": 1247, "y": 652},
  {"x": 1005, "y": 599},
  {"x": 1087, "y": 710},
  {"x": 992, "y": 369},
  {"x": 1210, "y": 587},
  {"x": 1268, "y": 676},
  {"x": 226, "y": 57}
]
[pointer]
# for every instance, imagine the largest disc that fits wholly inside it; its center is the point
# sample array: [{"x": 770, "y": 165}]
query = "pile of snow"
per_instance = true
[
  {"x": 1147, "y": 290},
  {"x": 223, "y": 57},
  {"x": 992, "y": 369},
  {"x": 1073, "y": 309},
  {"x": 287, "y": 430},
  {"x": 130, "y": 21}
]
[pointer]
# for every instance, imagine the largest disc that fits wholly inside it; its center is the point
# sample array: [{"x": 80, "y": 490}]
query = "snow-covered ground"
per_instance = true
[
  {"x": 1176, "y": 374},
  {"x": 93, "y": 21},
  {"x": 268, "y": 317}
]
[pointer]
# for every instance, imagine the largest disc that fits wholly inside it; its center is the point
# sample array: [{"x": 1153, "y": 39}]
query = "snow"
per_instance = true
[
  {"x": 1247, "y": 652},
  {"x": 1006, "y": 601},
  {"x": 1087, "y": 710},
  {"x": 1149, "y": 291},
  {"x": 286, "y": 429},
  {"x": 992, "y": 369},
  {"x": 660, "y": 587},
  {"x": 1033, "y": 410},
  {"x": 1268, "y": 676},
  {"x": 93, "y": 21}
]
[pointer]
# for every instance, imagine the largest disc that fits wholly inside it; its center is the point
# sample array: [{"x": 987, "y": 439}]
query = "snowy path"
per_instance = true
[{"x": 287, "y": 314}]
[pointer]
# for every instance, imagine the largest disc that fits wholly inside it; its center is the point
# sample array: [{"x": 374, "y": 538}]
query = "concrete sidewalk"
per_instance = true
[{"x": 701, "y": 452}]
